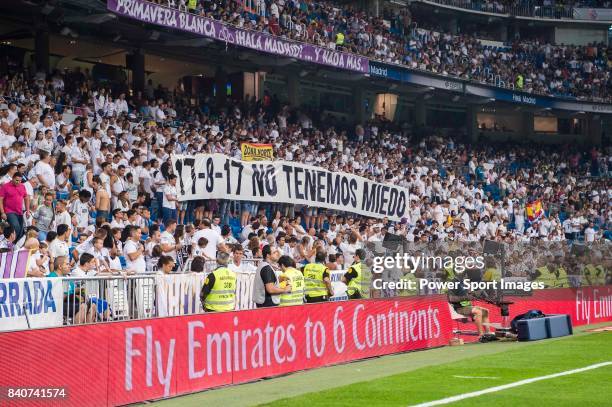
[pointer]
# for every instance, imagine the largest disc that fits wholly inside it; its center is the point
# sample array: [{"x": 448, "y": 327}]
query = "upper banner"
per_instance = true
[
  {"x": 216, "y": 176},
  {"x": 155, "y": 14},
  {"x": 257, "y": 152}
]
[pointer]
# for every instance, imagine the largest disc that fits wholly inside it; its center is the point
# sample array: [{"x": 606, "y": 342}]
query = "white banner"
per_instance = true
[
  {"x": 179, "y": 294},
  {"x": 337, "y": 285},
  {"x": 31, "y": 303},
  {"x": 216, "y": 176}
]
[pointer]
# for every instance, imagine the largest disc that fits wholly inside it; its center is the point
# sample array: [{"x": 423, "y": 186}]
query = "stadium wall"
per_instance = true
[{"x": 127, "y": 362}]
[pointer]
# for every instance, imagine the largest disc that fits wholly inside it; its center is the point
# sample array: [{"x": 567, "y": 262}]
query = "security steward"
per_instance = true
[
  {"x": 219, "y": 290},
  {"x": 353, "y": 278},
  {"x": 318, "y": 283},
  {"x": 294, "y": 277}
]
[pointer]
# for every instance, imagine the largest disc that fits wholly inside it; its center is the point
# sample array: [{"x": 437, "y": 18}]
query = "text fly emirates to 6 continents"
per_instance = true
[{"x": 459, "y": 264}]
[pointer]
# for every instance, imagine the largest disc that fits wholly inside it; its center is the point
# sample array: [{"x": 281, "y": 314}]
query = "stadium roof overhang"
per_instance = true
[{"x": 85, "y": 29}]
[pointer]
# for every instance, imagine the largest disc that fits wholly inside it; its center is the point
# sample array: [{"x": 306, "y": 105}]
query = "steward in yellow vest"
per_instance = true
[
  {"x": 318, "y": 283},
  {"x": 192, "y": 4},
  {"x": 562, "y": 280},
  {"x": 492, "y": 274},
  {"x": 339, "y": 39},
  {"x": 219, "y": 290},
  {"x": 551, "y": 278},
  {"x": 595, "y": 275},
  {"x": 357, "y": 286},
  {"x": 293, "y": 277}
]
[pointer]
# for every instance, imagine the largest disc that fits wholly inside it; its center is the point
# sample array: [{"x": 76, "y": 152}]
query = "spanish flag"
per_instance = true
[{"x": 534, "y": 210}]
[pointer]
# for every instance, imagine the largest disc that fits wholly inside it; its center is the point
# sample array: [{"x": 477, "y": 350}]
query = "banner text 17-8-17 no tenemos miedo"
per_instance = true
[{"x": 216, "y": 176}]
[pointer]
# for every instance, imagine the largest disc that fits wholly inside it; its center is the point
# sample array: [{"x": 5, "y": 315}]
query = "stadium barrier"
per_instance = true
[
  {"x": 51, "y": 302},
  {"x": 80, "y": 300},
  {"x": 132, "y": 361}
]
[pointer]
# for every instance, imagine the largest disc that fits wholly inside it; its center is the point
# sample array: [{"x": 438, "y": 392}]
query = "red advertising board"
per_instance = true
[{"x": 126, "y": 362}]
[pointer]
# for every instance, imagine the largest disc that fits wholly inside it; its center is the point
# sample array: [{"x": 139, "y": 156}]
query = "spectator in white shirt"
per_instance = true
[
  {"x": 134, "y": 251},
  {"x": 59, "y": 246},
  {"x": 589, "y": 233},
  {"x": 169, "y": 199},
  {"x": 168, "y": 243},
  {"x": 44, "y": 171}
]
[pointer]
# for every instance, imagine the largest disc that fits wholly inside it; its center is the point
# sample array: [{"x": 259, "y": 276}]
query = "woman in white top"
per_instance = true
[
  {"x": 297, "y": 226},
  {"x": 38, "y": 143},
  {"x": 123, "y": 202},
  {"x": 16, "y": 154}
]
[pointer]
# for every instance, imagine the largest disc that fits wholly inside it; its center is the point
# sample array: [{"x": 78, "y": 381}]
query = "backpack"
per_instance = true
[{"x": 531, "y": 314}]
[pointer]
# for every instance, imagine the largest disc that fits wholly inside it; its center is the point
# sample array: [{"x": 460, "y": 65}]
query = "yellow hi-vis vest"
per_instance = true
[
  {"x": 192, "y": 4},
  {"x": 601, "y": 275},
  {"x": 313, "y": 275},
  {"x": 562, "y": 280},
  {"x": 222, "y": 297},
  {"x": 492, "y": 274},
  {"x": 296, "y": 296},
  {"x": 356, "y": 284},
  {"x": 339, "y": 39},
  {"x": 590, "y": 272},
  {"x": 547, "y": 277}
]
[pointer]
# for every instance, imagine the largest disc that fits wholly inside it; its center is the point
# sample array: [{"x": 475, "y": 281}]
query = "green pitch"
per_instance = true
[{"x": 418, "y": 377}]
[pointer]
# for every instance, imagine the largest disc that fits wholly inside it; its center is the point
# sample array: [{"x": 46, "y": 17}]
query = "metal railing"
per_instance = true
[
  {"x": 130, "y": 297},
  {"x": 531, "y": 9},
  {"x": 109, "y": 298}
]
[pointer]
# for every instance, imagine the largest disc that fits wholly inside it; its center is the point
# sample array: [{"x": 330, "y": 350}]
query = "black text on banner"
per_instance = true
[{"x": 216, "y": 176}]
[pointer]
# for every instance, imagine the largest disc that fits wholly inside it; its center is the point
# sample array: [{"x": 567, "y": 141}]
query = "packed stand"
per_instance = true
[
  {"x": 582, "y": 72},
  {"x": 103, "y": 183}
]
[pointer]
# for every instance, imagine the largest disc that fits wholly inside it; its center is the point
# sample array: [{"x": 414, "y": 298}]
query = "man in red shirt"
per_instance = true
[{"x": 13, "y": 195}]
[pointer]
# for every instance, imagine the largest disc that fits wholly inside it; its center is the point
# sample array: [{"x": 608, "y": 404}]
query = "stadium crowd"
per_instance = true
[
  {"x": 530, "y": 65},
  {"x": 102, "y": 183}
]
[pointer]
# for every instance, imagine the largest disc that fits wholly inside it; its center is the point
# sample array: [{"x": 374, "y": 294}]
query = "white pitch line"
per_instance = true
[
  {"x": 476, "y": 377},
  {"x": 509, "y": 386}
]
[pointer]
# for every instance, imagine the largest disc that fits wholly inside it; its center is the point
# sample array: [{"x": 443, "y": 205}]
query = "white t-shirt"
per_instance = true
[
  {"x": 589, "y": 235},
  {"x": 171, "y": 191},
  {"x": 46, "y": 173},
  {"x": 78, "y": 154},
  {"x": 139, "y": 265},
  {"x": 81, "y": 210},
  {"x": 167, "y": 238},
  {"x": 78, "y": 272},
  {"x": 58, "y": 248},
  {"x": 214, "y": 239}
]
